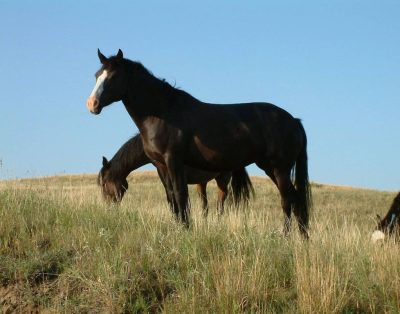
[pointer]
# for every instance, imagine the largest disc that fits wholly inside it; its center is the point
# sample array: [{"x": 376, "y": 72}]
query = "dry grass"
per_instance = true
[{"x": 63, "y": 250}]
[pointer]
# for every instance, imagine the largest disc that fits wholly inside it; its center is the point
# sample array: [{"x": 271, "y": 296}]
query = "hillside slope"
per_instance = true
[{"x": 62, "y": 249}]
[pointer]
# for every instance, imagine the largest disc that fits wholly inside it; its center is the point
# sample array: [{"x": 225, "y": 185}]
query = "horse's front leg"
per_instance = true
[
  {"x": 202, "y": 191},
  {"x": 166, "y": 181},
  {"x": 176, "y": 173},
  {"x": 222, "y": 180}
]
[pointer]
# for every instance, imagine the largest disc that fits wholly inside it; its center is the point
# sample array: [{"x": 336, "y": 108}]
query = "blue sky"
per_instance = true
[{"x": 334, "y": 64}]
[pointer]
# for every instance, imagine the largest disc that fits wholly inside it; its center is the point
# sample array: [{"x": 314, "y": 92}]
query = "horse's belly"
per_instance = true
[
  {"x": 196, "y": 176},
  {"x": 217, "y": 159}
]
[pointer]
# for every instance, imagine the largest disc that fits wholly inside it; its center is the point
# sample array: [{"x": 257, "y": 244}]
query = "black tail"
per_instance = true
[
  {"x": 303, "y": 199},
  {"x": 242, "y": 189}
]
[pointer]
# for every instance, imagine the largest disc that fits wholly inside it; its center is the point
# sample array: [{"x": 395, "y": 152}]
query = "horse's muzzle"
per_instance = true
[{"x": 93, "y": 105}]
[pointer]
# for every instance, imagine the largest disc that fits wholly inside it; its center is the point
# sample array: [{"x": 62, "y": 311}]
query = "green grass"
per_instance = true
[{"x": 63, "y": 250}]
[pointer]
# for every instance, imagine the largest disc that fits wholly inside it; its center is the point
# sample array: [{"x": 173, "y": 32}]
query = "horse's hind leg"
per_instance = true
[
  {"x": 286, "y": 191},
  {"x": 288, "y": 199},
  {"x": 302, "y": 219},
  {"x": 288, "y": 194},
  {"x": 202, "y": 191}
]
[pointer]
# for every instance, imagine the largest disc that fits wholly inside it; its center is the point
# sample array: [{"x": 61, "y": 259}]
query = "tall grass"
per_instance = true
[{"x": 63, "y": 250}]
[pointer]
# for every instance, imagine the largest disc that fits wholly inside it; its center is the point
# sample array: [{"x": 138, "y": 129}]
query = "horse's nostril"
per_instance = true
[{"x": 93, "y": 104}]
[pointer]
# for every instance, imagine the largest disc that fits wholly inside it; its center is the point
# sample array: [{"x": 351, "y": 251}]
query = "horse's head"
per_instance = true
[
  {"x": 385, "y": 227},
  {"x": 113, "y": 188},
  {"x": 389, "y": 224},
  {"x": 110, "y": 82}
]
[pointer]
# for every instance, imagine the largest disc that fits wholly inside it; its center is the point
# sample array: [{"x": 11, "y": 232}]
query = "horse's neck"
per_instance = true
[
  {"x": 395, "y": 207},
  {"x": 393, "y": 212},
  {"x": 128, "y": 161},
  {"x": 148, "y": 97}
]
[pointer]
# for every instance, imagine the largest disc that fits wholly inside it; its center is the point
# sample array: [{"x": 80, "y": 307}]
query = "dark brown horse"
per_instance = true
[
  {"x": 178, "y": 130},
  {"x": 387, "y": 225},
  {"x": 112, "y": 177}
]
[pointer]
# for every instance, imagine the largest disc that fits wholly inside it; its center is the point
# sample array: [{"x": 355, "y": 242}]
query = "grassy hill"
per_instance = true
[{"x": 62, "y": 249}]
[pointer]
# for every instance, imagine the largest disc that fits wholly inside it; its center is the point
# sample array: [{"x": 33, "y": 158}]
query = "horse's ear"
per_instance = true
[
  {"x": 120, "y": 54},
  {"x": 103, "y": 59},
  {"x": 105, "y": 161}
]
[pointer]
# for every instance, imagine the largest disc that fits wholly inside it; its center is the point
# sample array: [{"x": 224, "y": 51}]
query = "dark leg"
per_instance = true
[
  {"x": 302, "y": 219},
  {"x": 163, "y": 175},
  {"x": 288, "y": 194},
  {"x": 222, "y": 183},
  {"x": 202, "y": 191},
  {"x": 289, "y": 197},
  {"x": 286, "y": 190},
  {"x": 287, "y": 207},
  {"x": 177, "y": 176}
]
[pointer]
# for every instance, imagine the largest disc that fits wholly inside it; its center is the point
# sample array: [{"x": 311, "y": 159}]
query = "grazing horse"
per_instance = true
[
  {"x": 178, "y": 129},
  {"x": 387, "y": 225},
  {"x": 113, "y": 174}
]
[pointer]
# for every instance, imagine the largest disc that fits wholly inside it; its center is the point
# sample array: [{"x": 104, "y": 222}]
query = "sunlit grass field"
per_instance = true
[{"x": 63, "y": 250}]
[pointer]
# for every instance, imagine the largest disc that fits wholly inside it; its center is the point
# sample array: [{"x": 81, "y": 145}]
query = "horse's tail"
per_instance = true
[
  {"x": 303, "y": 199},
  {"x": 242, "y": 189}
]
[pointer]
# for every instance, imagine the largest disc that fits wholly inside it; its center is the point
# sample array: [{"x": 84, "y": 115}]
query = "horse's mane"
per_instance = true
[
  {"x": 162, "y": 83},
  {"x": 129, "y": 150}
]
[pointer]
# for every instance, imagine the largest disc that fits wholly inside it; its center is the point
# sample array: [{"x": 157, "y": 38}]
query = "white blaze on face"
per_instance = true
[
  {"x": 377, "y": 235},
  {"x": 98, "y": 88}
]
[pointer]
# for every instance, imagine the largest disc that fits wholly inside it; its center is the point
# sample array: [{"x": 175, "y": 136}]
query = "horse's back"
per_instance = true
[
  {"x": 259, "y": 122},
  {"x": 232, "y": 136}
]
